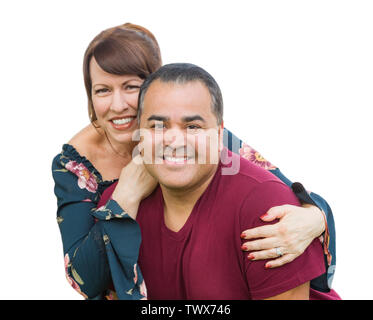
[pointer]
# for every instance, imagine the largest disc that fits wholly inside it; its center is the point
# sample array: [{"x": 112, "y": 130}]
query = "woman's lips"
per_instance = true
[{"x": 122, "y": 123}]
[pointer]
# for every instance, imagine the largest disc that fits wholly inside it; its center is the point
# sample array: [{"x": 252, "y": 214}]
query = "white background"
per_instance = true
[{"x": 296, "y": 76}]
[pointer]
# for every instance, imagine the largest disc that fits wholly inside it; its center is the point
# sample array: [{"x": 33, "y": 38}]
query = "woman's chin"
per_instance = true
[
  {"x": 122, "y": 136},
  {"x": 122, "y": 140}
]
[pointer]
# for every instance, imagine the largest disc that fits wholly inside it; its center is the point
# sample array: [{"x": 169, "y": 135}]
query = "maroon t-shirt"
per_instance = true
[{"x": 204, "y": 260}]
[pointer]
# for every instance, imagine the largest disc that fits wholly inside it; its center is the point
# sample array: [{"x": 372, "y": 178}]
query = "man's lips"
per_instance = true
[{"x": 172, "y": 159}]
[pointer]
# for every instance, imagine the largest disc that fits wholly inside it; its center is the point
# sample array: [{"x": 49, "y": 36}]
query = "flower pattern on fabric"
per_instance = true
[
  {"x": 111, "y": 295},
  {"x": 86, "y": 179},
  {"x": 143, "y": 290},
  {"x": 105, "y": 213},
  {"x": 135, "y": 272},
  {"x": 78, "y": 188},
  {"x": 255, "y": 157},
  {"x": 70, "y": 279},
  {"x": 142, "y": 286}
]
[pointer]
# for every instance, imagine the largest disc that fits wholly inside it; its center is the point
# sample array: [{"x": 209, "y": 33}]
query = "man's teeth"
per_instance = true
[
  {"x": 173, "y": 159},
  {"x": 122, "y": 121}
]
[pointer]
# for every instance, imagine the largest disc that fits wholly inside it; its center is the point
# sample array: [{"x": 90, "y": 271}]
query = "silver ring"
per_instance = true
[{"x": 279, "y": 252}]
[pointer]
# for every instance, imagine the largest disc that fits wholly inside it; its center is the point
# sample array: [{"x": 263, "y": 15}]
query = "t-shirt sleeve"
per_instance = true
[{"x": 265, "y": 283}]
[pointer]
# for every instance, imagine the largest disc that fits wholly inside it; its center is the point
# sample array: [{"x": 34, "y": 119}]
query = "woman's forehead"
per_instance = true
[{"x": 98, "y": 75}]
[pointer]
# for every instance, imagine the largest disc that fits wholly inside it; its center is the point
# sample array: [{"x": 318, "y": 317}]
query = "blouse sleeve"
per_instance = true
[
  {"x": 324, "y": 282},
  {"x": 90, "y": 265}
]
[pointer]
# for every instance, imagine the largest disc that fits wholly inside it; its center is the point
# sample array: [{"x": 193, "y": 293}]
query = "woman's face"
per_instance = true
[{"x": 114, "y": 100}]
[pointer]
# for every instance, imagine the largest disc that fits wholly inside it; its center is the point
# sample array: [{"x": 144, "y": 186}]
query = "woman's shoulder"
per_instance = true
[
  {"x": 77, "y": 152},
  {"x": 86, "y": 141}
]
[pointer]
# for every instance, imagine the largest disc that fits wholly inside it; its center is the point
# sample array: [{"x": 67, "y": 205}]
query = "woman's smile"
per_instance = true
[{"x": 123, "y": 123}]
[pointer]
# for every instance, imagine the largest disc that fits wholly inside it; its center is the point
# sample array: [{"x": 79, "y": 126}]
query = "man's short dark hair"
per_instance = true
[{"x": 182, "y": 73}]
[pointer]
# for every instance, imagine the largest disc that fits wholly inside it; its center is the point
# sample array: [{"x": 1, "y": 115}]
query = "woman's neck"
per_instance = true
[{"x": 109, "y": 157}]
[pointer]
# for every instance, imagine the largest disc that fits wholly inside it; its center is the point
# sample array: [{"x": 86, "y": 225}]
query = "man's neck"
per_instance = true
[{"x": 179, "y": 203}]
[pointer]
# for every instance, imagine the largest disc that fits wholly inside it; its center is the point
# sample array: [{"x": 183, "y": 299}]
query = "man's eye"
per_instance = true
[
  {"x": 157, "y": 126},
  {"x": 193, "y": 127}
]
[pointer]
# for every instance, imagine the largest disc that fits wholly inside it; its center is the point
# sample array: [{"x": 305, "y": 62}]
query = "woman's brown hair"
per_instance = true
[{"x": 125, "y": 49}]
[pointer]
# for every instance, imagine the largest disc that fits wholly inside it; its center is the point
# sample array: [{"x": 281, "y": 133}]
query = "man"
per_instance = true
[
  {"x": 181, "y": 257},
  {"x": 191, "y": 223}
]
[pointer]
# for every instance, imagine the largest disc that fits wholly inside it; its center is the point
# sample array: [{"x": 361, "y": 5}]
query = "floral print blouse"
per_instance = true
[{"x": 101, "y": 245}]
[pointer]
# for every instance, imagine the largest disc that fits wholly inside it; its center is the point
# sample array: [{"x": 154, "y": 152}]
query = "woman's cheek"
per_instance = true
[
  {"x": 133, "y": 100},
  {"x": 101, "y": 107}
]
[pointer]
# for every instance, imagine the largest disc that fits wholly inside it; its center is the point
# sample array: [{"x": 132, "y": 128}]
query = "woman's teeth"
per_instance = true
[{"x": 122, "y": 121}]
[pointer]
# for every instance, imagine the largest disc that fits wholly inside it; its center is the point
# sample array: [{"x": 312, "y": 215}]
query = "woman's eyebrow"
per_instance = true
[
  {"x": 99, "y": 84},
  {"x": 132, "y": 79},
  {"x": 124, "y": 82}
]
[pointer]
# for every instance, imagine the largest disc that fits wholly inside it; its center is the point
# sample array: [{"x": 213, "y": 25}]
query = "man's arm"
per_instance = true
[
  {"x": 322, "y": 283},
  {"x": 286, "y": 282},
  {"x": 301, "y": 292}
]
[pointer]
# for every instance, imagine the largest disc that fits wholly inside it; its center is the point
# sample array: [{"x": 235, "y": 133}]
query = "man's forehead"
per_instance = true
[
  {"x": 177, "y": 96},
  {"x": 170, "y": 87},
  {"x": 178, "y": 101}
]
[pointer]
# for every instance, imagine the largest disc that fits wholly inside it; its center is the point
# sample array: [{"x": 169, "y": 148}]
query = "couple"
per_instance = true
[{"x": 101, "y": 240}]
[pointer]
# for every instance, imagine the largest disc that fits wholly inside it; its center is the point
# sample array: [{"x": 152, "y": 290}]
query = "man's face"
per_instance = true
[{"x": 182, "y": 134}]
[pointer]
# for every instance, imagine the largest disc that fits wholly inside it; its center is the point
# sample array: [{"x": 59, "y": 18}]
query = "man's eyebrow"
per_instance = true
[
  {"x": 158, "y": 118},
  {"x": 193, "y": 118}
]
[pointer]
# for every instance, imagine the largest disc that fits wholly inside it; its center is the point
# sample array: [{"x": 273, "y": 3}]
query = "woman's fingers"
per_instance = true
[
  {"x": 291, "y": 235},
  {"x": 262, "y": 244},
  {"x": 259, "y": 232},
  {"x": 265, "y": 254},
  {"x": 286, "y": 258},
  {"x": 275, "y": 213}
]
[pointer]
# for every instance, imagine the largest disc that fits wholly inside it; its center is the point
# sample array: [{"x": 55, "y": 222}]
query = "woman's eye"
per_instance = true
[
  {"x": 102, "y": 90},
  {"x": 132, "y": 87}
]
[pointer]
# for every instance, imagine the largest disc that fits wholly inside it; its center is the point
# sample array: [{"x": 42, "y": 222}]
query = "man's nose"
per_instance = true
[{"x": 174, "y": 138}]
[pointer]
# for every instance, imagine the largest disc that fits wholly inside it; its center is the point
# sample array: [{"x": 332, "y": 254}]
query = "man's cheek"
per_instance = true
[
  {"x": 146, "y": 145},
  {"x": 205, "y": 147}
]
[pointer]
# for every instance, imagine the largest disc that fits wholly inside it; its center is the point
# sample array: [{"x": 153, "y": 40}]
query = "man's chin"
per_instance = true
[
  {"x": 173, "y": 184},
  {"x": 175, "y": 180}
]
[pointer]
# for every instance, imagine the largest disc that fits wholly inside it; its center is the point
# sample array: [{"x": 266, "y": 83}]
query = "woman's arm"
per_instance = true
[
  {"x": 87, "y": 231},
  {"x": 297, "y": 226}
]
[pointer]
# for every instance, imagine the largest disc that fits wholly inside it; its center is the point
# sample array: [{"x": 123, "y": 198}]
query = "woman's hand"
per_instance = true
[
  {"x": 297, "y": 228},
  {"x": 134, "y": 184}
]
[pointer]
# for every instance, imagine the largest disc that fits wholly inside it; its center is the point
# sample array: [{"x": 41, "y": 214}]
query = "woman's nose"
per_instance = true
[{"x": 119, "y": 102}]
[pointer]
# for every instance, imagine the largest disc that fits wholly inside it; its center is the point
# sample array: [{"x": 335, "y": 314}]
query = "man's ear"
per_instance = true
[{"x": 221, "y": 135}]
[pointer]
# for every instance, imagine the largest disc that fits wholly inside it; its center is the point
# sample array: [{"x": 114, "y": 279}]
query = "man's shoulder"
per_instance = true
[
  {"x": 252, "y": 171},
  {"x": 247, "y": 176},
  {"x": 251, "y": 192},
  {"x": 253, "y": 186}
]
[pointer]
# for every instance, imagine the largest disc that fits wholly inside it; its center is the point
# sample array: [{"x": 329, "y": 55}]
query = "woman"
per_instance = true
[{"x": 101, "y": 244}]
